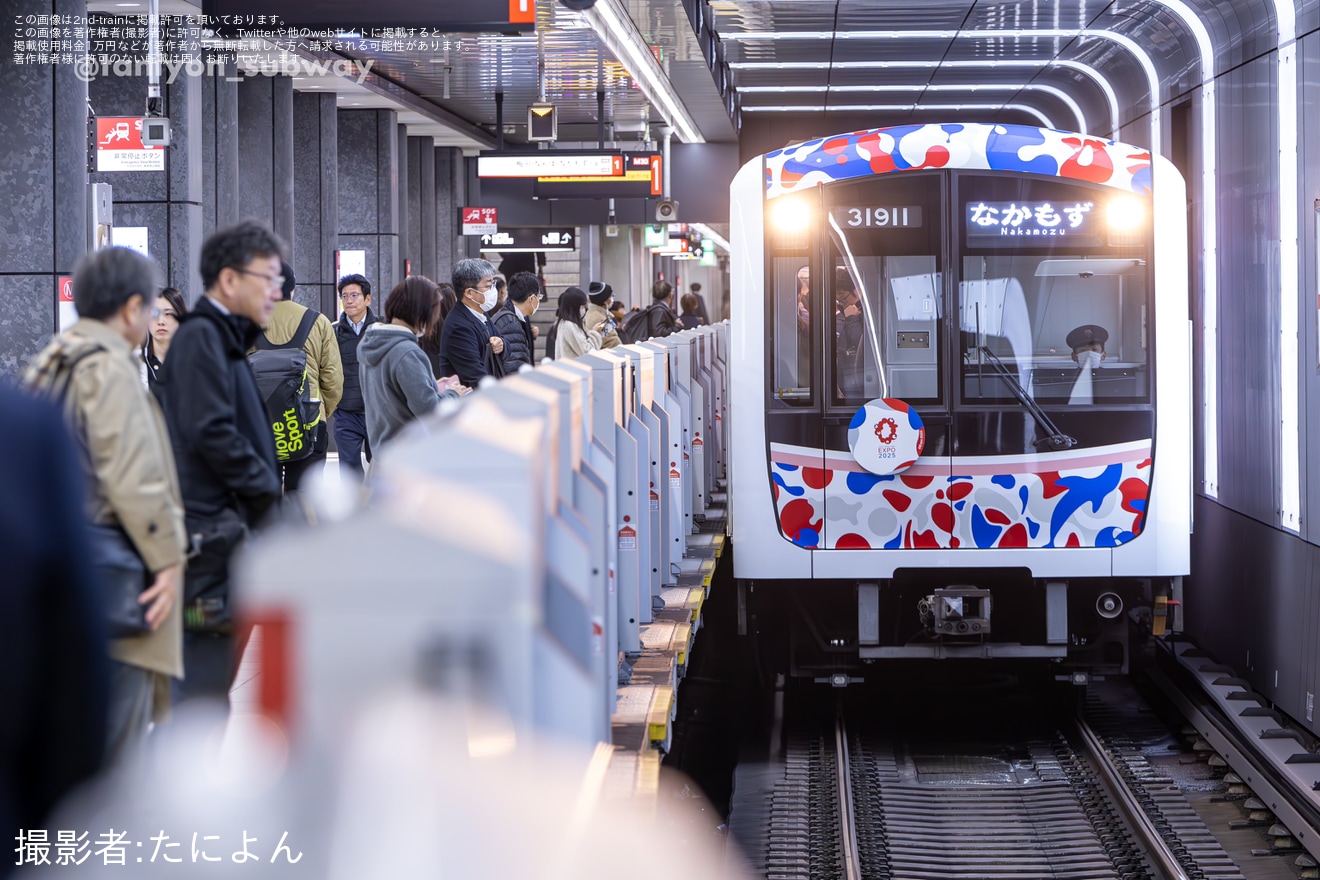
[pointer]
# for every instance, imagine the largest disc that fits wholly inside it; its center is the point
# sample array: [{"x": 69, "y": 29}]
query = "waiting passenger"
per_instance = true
[
  {"x": 660, "y": 317},
  {"x": 222, "y": 441},
  {"x": 600, "y": 296},
  {"x": 325, "y": 372},
  {"x": 572, "y": 339},
  {"x": 691, "y": 317},
  {"x": 350, "y": 419},
  {"x": 468, "y": 347},
  {"x": 617, "y": 312},
  {"x": 165, "y": 314},
  {"x": 134, "y": 498},
  {"x": 430, "y": 343},
  {"x": 397, "y": 385},
  {"x": 695, "y": 290},
  {"x": 512, "y": 321}
]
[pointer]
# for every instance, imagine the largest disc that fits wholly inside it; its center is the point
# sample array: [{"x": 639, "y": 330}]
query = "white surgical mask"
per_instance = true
[
  {"x": 489, "y": 298},
  {"x": 1089, "y": 359},
  {"x": 582, "y": 312}
]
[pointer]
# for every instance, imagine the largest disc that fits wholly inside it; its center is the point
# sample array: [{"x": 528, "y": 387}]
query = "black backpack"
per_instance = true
[
  {"x": 281, "y": 373},
  {"x": 636, "y": 327}
]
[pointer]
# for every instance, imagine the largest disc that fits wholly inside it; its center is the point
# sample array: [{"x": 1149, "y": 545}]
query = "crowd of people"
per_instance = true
[{"x": 191, "y": 426}]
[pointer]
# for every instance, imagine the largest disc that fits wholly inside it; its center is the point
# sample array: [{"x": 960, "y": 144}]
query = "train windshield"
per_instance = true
[{"x": 1052, "y": 292}]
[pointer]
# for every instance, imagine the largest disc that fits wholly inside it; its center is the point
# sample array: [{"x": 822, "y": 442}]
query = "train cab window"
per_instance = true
[
  {"x": 1052, "y": 305},
  {"x": 886, "y": 290},
  {"x": 792, "y": 303}
]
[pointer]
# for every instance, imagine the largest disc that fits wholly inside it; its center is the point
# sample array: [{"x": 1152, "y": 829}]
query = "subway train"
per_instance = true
[{"x": 960, "y": 399}]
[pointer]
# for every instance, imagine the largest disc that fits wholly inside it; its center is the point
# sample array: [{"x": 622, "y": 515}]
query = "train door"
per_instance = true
[{"x": 886, "y": 420}]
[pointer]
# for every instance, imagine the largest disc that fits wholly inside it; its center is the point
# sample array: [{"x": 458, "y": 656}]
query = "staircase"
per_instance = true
[{"x": 562, "y": 269}]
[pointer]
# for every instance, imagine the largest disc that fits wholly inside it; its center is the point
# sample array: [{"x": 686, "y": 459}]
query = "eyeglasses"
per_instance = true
[
  {"x": 273, "y": 280},
  {"x": 157, "y": 313},
  {"x": 351, "y": 297}
]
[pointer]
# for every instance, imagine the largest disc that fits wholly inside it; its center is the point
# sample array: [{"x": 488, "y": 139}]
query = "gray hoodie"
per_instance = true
[{"x": 397, "y": 385}]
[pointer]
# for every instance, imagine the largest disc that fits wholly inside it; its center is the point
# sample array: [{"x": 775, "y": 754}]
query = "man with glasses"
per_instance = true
[
  {"x": 469, "y": 347},
  {"x": 351, "y": 417},
  {"x": 223, "y": 444}
]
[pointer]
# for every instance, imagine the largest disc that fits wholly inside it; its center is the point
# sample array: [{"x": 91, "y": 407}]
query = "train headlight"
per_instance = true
[
  {"x": 790, "y": 217},
  {"x": 1126, "y": 214}
]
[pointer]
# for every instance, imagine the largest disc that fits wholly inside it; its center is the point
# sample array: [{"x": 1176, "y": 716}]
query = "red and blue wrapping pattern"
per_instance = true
[
  {"x": 1079, "y": 498},
  {"x": 958, "y": 145}
]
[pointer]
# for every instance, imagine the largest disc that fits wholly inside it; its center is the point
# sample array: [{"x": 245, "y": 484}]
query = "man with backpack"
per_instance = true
[
  {"x": 222, "y": 441},
  {"x": 657, "y": 319},
  {"x": 298, "y": 369}
]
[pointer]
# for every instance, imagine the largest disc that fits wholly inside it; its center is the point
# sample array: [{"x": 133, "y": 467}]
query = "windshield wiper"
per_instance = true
[{"x": 1054, "y": 439}]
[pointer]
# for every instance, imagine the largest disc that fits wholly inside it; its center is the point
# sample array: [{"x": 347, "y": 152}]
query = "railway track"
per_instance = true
[{"x": 1080, "y": 804}]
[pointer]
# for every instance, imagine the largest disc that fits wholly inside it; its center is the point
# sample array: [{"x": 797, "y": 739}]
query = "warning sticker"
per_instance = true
[
  {"x": 675, "y": 478},
  {"x": 627, "y": 538}
]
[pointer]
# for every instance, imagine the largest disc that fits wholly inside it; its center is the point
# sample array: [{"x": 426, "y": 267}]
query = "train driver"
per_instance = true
[{"x": 1088, "y": 350}]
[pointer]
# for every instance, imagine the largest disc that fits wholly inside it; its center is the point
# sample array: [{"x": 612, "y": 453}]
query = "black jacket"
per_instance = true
[
  {"x": 348, "y": 346},
  {"x": 54, "y": 675},
  {"x": 660, "y": 320},
  {"x": 465, "y": 348},
  {"x": 517, "y": 335},
  {"x": 223, "y": 447}
]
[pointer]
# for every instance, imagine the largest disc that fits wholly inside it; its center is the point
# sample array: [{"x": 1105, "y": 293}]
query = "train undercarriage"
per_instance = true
[{"x": 838, "y": 632}]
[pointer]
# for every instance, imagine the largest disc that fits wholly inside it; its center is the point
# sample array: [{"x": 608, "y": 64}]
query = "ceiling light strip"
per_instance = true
[
  {"x": 706, "y": 232},
  {"x": 867, "y": 108},
  {"x": 928, "y": 87},
  {"x": 1111, "y": 96},
  {"x": 616, "y": 30}
]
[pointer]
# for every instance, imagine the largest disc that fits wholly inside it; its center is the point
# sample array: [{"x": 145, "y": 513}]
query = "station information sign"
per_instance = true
[
  {"x": 529, "y": 238},
  {"x": 642, "y": 177},
  {"x": 119, "y": 146},
  {"x": 480, "y": 221},
  {"x": 550, "y": 163}
]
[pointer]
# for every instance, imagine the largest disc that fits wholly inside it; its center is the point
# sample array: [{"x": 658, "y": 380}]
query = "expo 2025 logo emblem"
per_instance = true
[{"x": 886, "y": 436}]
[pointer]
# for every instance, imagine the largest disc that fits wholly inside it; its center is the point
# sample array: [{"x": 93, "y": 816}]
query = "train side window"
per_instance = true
[
  {"x": 887, "y": 291},
  {"x": 792, "y": 331}
]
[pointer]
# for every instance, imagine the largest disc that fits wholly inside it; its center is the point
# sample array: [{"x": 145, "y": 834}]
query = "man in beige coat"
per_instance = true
[{"x": 133, "y": 480}]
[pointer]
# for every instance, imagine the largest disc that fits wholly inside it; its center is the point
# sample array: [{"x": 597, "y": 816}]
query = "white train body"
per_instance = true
[{"x": 939, "y": 427}]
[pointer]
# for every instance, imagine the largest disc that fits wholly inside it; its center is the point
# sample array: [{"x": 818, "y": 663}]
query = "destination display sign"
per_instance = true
[{"x": 1031, "y": 223}]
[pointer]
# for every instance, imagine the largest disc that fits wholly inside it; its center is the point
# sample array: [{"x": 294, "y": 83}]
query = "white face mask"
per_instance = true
[
  {"x": 489, "y": 298},
  {"x": 1089, "y": 359},
  {"x": 582, "y": 313}
]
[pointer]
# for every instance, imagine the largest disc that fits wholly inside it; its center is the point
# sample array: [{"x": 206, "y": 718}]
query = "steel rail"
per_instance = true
[
  {"x": 852, "y": 867},
  {"x": 1155, "y": 845}
]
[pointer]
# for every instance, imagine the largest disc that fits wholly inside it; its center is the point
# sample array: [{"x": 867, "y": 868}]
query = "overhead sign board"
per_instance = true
[
  {"x": 642, "y": 178},
  {"x": 480, "y": 221},
  {"x": 550, "y": 163},
  {"x": 530, "y": 238},
  {"x": 518, "y": 16},
  {"x": 119, "y": 146}
]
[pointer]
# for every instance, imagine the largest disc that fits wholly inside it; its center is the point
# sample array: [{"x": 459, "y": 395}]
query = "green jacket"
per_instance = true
[{"x": 325, "y": 369}]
